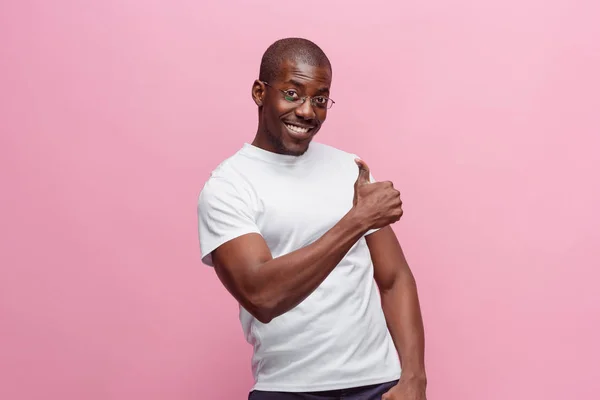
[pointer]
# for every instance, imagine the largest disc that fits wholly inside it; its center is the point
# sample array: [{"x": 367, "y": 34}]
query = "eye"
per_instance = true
[
  {"x": 291, "y": 95},
  {"x": 320, "y": 101}
]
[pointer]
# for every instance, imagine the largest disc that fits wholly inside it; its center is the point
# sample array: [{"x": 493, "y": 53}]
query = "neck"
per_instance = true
[
  {"x": 265, "y": 141},
  {"x": 260, "y": 141}
]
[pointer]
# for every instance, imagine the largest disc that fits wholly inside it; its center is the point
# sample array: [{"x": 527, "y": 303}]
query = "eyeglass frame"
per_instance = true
[{"x": 302, "y": 99}]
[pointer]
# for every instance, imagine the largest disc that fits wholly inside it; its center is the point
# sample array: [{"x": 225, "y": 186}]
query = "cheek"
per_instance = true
[
  {"x": 276, "y": 112},
  {"x": 275, "y": 121},
  {"x": 322, "y": 117},
  {"x": 271, "y": 116}
]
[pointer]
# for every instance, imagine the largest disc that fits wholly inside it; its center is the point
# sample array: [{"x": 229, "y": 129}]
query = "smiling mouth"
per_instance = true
[{"x": 300, "y": 130}]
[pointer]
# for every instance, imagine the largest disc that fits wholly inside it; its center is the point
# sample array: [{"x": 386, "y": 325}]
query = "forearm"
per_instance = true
[
  {"x": 284, "y": 282},
  {"x": 402, "y": 312}
]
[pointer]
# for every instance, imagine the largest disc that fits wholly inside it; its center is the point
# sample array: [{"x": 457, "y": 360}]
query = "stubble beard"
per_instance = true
[{"x": 280, "y": 147}]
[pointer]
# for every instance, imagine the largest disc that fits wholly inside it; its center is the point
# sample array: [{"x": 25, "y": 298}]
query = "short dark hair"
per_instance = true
[{"x": 296, "y": 49}]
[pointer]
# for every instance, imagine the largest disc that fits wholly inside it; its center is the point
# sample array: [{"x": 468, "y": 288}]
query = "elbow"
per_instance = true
[
  {"x": 250, "y": 292},
  {"x": 264, "y": 316},
  {"x": 399, "y": 281},
  {"x": 262, "y": 309},
  {"x": 387, "y": 286}
]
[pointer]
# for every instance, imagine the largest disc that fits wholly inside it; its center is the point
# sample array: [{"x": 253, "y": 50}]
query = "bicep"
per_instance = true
[
  {"x": 389, "y": 262},
  {"x": 237, "y": 261},
  {"x": 230, "y": 239}
]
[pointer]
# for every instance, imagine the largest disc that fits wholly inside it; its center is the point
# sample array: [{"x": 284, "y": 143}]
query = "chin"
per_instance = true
[
  {"x": 295, "y": 148},
  {"x": 285, "y": 143}
]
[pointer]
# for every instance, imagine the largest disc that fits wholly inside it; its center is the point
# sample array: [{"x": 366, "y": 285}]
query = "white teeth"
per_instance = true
[{"x": 297, "y": 129}]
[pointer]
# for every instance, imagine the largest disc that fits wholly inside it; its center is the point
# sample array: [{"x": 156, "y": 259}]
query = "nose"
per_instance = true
[{"x": 306, "y": 110}]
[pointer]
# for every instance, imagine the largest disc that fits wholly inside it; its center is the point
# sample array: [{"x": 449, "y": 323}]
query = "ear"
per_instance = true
[{"x": 258, "y": 92}]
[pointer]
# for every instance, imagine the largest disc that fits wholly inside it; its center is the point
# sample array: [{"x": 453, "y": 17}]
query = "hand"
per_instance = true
[
  {"x": 377, "y": 203},
  {"x": 409, "y": 389}
]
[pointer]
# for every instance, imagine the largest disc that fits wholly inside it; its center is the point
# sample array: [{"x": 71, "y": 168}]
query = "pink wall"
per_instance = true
[{"x": 112, "y": 113}]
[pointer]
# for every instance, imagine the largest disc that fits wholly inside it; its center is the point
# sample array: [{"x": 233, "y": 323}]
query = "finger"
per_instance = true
[{"x": 364, "y": 174}]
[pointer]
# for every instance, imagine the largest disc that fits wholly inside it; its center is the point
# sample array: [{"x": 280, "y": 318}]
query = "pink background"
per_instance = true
[{"x": 484, "y": 113}]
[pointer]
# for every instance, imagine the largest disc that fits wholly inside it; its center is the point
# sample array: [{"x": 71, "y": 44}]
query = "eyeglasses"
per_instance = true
[{"x": 292, "y": 96}]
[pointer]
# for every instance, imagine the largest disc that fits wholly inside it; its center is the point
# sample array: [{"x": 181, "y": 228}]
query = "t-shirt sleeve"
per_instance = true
[{"x": 224, "y": 214}]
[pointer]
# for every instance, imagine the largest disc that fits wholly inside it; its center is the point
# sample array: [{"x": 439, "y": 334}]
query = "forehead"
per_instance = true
[{"x": 310, "y": 76}]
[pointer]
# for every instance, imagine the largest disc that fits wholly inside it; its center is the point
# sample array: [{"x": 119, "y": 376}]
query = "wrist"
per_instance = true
[
  {"x": 414, "y": 376},
  {"x": 356, "y": 221}
]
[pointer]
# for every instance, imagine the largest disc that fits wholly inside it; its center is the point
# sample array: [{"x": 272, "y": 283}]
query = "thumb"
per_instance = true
[{"x": 364, "y": 174}]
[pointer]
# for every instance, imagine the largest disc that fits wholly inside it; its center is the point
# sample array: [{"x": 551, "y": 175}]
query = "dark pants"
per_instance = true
[{"x": 371, "y": 392}]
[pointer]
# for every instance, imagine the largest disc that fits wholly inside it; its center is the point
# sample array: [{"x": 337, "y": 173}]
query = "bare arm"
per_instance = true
[
  {"x": 400, "y": 302},
  {"x": 268, "y": 287}
]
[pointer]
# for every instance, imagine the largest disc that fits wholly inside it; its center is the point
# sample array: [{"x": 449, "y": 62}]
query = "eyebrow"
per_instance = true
[{"x": 302, "y": 86}]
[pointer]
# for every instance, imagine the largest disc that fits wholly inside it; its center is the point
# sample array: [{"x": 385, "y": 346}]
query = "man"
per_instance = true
[{"x": 301, "y": 237}]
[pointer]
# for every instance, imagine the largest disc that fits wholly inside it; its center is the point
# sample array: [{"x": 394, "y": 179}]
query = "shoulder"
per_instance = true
[
  {"x": 225, "y": 181},
  {"x": 224, "y": 198}
]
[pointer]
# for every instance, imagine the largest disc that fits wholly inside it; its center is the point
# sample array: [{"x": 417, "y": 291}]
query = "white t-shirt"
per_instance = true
[{"x": 337, "y": 337}]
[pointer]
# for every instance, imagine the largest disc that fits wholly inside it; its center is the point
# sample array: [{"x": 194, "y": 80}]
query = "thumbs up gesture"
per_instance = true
[{"x": 378, "y": 204}]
